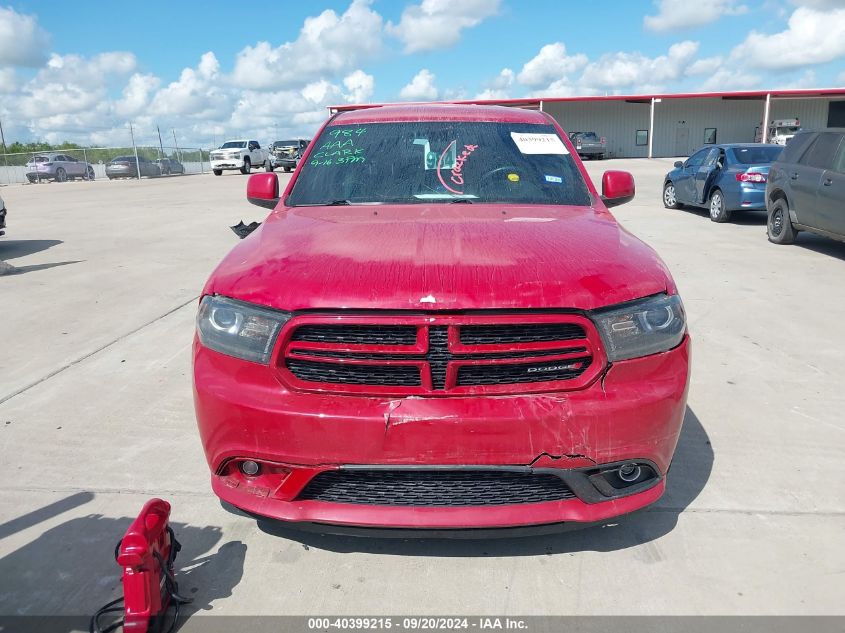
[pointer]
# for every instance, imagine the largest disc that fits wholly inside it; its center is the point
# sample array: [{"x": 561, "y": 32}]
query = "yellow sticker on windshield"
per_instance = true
[{"x": 513, "y": 177}]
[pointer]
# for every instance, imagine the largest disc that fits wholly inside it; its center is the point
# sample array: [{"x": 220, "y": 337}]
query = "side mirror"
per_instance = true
[
  {"x": 617, "y": 187},
  {"x": 678, "y": 163},
  {"x": 263, "y": 190}
]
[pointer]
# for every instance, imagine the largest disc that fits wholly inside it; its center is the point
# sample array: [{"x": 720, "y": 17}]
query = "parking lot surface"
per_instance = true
[{"x": 96, "y": 417}]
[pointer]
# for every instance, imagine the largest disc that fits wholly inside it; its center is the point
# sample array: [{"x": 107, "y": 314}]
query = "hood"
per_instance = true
[{"x": 439, "y": 257}]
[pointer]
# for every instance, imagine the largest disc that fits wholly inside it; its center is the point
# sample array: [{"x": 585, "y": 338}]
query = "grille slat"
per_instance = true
[
  {"x": 479, "y": 356},
  {"x": 357, "y": 334},
  {"x": 435, "y": 487},
  {"x": 520, "y": 333},
  {"x": 390, "y": 375}
]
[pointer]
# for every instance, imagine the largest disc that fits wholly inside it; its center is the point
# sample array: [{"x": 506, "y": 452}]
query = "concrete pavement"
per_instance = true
[{"x": 96, "y": 417}]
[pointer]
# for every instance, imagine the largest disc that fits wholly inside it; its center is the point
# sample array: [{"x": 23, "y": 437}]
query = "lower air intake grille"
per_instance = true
[{"x": 435, "y": 487}]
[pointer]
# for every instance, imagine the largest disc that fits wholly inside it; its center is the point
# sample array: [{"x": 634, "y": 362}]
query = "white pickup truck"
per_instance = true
[
  {"x": 779, "y": 132},
  {"x": 239, "y": 154}
]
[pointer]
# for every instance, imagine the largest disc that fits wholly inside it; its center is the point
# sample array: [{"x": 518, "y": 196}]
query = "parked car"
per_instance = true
[
  {"x": 58, "y": 167},
  {"x": 241, "y": 154},
  {"x": 376, "y": 354},
  {"x": 170, "y": 166},
  {"x": 589, "y": 144},
  {"x": 2, "y": 216},
  {"x": 723, "y": 178},
  {"x": 286, "y": 154},
  {"x": 806, "y": 188},
  {"x": 127, "y": 167}
]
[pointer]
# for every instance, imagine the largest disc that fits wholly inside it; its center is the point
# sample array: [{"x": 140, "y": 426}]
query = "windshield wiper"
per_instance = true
[
  {"x": 338, "y": 203},
  {"x": 460, "y": 201}
]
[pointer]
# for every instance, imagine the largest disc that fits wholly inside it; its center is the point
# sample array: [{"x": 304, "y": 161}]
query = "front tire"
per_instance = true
[
  {"x": 217, "y": 172},
  {"x": 89, "y": 174},
  {"x": 247, "y": 166},
  {"x": 670, "y": 199},
  {"x": 288, "y": 169},
  {"x": 779, "y": 227},
  {"x": 718, "y": 212},
  {"x": 61, "y": 175},
  {"x": 268, "y": 166}
]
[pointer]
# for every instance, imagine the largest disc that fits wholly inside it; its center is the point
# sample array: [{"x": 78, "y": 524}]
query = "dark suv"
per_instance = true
[{"x": 806, "y": 188}]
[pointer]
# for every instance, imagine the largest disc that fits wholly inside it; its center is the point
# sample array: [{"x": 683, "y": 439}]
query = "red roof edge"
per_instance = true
[{"x": 534, "y": 102}]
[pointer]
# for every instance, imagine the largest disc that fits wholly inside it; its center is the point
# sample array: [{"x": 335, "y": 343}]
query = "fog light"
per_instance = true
[
  {"x": 629, "y": 472},
  {"x": 250, "y": 468}
]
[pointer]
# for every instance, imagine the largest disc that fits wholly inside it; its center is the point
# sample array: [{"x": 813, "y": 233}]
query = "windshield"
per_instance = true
[
  {"x": 233, "y": 145},
  {"x": 589, "y": 136},
  {"x": 440, "y": 161},
  {"x": 123, "y": 159},
  {"x": 788, "y": 130},
  {"x": 756, "y": 155},
  {"x": 286, "y": 144}
]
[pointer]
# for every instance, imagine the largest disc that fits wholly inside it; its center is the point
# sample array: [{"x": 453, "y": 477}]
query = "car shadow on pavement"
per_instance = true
[
  {"x": 749, "y": 217},
  {"x": 691, "y": 468},
  {"x": 11, "y": 249},
  {"x": 821, "y": 245},
  {"x": 70, "y": 568}
]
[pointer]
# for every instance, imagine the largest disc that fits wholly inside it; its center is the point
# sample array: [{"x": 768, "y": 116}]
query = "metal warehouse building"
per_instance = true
[{"x": 664, "y": 125}]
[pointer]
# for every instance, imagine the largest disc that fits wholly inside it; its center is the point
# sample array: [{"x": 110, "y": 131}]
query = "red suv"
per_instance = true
[{"x": 440, "y": 325}]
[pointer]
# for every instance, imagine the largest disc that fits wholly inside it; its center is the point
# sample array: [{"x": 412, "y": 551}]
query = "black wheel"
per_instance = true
[
  {"x": 89, "y": 174},
  {"x": 247, "y": 166},
  {"x": 288, "y": 169},
  {"x": 217, "y": 172},
  {"x": 268, "y": 166},
  {"x": 61, "y": 175},
  {"x": 779, "y": 227},
  {"x": 670, "y": 199},
  {"x": 718, "y": 212},
  {"x": 31, "y": 179},
  {"x": 601, "y": 156}
]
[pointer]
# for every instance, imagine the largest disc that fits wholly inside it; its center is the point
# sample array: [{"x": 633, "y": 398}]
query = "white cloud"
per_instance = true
[
  {"x": 8, "y": 81},
  {"x": 327, "y": 44},
  {"x": 705, "y": 66},
  {"x": 437, "y": 24},
  {"x": 360, "y": 86},
  {"x": 636, "y": 72},
  {"x": 22, "y": 41},
  {"x": 421, "y": 88},
  {"x": 137, "y": 93},
  {"x": 499, "y": 87},
  {"x": 198, "y": 93},
  {"x": 730, "y": 79},
  {"x": 820, "y": 4},
  {"x": 812, "y": 37},
  {"x": 72, "y": 84},
  {"x": 684, "y": 14},
  {"x": 807, "y": 79},
  {"x": 549, "y": 65}
]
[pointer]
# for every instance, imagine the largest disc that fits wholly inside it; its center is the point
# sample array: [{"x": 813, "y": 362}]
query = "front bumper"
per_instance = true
[
  {"x": 632, "y": 413},
  {"x": 227, "y": 163}
]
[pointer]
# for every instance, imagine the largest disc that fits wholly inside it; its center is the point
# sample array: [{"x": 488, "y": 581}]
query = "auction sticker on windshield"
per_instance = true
[{"x": 538, "y": 143}]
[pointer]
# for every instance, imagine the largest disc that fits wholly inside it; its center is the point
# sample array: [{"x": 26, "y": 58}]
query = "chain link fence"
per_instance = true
[{"x": 81, "y": 164}]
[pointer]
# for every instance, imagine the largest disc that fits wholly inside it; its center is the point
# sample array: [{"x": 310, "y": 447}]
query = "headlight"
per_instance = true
[
  {"x": 641, "y": 328},
  {"x": 239, "y": 329}
]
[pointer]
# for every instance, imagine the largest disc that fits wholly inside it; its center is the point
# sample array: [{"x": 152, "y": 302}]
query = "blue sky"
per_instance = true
[{"x": 80, "y": 71}]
